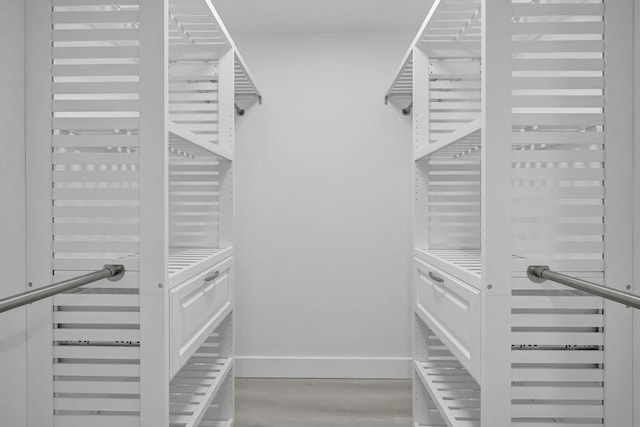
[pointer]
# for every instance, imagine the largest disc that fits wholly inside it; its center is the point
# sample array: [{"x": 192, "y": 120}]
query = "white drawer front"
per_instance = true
[
  {"x": 451, "y": 308},
  {"x": 197, "y": 308}
]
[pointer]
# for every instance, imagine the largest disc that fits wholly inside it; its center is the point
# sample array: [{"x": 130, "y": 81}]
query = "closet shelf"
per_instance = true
[
  {"x": 245, "y": 89},
  {"x": 196, "y": 23},
  {"x": 464, "y": 141},
  {"x": 451, "y": 29},
  {"x": 184, "y": 263},
  {"x": 464, "y": 264},
  {"x": 187, "y": 262},
  {"x": 177, "y": 132},
  {"x": 453, "y": 390},
  {"x": 195, "y": 387},
  {"x": 402, "y": 86}
]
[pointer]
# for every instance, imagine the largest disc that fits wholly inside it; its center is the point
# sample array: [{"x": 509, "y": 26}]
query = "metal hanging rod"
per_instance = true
[
  {"x": 540, "y": 273},
  {"x": 239, "y": 111},
  {"x": 407, "y": 110},
  {"x": 112, "y": 272}
]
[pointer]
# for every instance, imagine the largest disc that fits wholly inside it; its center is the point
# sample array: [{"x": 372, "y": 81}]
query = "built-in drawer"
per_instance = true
[
  {"x": 197, "y": 307},
  {"x": 451, "y": 309}
]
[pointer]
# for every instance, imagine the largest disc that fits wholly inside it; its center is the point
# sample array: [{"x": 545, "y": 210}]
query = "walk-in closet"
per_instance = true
[{"x": 286, "y": 213}]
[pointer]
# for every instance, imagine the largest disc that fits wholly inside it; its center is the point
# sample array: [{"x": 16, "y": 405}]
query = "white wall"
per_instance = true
[
  {"x": 13, "y": 371},
  {"x": 323, "y": 226}
]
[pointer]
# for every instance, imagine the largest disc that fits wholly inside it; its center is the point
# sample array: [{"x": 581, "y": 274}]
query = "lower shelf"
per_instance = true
[
  {"x": 182, "y": 263},
  {"x": 195, "y": 387},
  {"x": 453, "y": 390},
  {"x": 187, "y": 262}
]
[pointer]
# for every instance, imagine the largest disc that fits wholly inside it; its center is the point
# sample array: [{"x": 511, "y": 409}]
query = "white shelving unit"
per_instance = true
[
  {"x": 520, "y": 159},
  {"x": 132, "y": 110}
]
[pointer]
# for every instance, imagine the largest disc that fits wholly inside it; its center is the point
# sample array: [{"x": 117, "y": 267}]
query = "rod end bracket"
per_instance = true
[
  {"x": 117, "y": 271},
  {"x": 534, "y": 273}
]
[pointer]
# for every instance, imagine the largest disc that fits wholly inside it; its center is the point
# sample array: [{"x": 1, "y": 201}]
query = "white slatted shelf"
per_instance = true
[
  {"x": 402, "y": 86},
  {"x": 196, "y": 23},
  {"x": 245, "y": 88},
  {"x": 453, "y": 21},
  {"x": 187, "y": 262},
  {"x": 177, "y": 131},
  {"x": 451, "y": 30},
  {"x": 184, "y": 263},
  {"x": 453, "y": 390},
  {"x": 194, "y": 388},
  {"x": 464, "y": 264}
]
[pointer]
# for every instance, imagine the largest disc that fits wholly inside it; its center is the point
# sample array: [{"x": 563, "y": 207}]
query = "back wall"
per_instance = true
[{"x": 323, "y": 224}]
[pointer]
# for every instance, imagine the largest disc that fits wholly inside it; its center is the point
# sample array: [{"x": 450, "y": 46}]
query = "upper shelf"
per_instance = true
[
  {"x": 452, "y": 21},
  {"x": 194, "y": 24},
  {"x": 452, "y": 29},
  {"x": 245, "y": 89},
  {"x": 402, "y": 86}
]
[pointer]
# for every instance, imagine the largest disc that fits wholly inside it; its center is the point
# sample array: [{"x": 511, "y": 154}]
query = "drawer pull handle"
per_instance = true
[
  {"x": 214, "y": 276},
  {"x": 435, "y": 278}
]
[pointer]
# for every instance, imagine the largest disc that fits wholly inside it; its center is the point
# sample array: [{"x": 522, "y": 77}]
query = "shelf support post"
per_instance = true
[
  {"x": 154, "y": 207},
  {"x": 496, "y": 213},
  {"x": 618, "y": 242},
  {"x": 226, "y": 134}
]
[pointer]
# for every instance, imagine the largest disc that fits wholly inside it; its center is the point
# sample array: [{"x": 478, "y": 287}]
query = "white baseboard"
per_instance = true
[{"x": 323, "y": 367}]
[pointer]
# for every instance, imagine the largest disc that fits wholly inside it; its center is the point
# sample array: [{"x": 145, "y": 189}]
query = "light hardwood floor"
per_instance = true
[{"x": 322, "y": 403}]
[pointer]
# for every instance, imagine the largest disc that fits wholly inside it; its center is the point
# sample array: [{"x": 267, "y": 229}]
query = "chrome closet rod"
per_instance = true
[
  {"x": 540, "y": 273},
  {"x": 112, "y": 272}
]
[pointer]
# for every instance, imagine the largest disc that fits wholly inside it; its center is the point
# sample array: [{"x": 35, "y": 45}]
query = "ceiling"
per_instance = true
[{"x": 322, "y": 16}]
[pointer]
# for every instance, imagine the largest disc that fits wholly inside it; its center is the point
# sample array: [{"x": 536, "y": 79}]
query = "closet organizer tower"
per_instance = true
[
  {"x": 522, "y": 147},
  {"x": 130, "y": 142}
]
